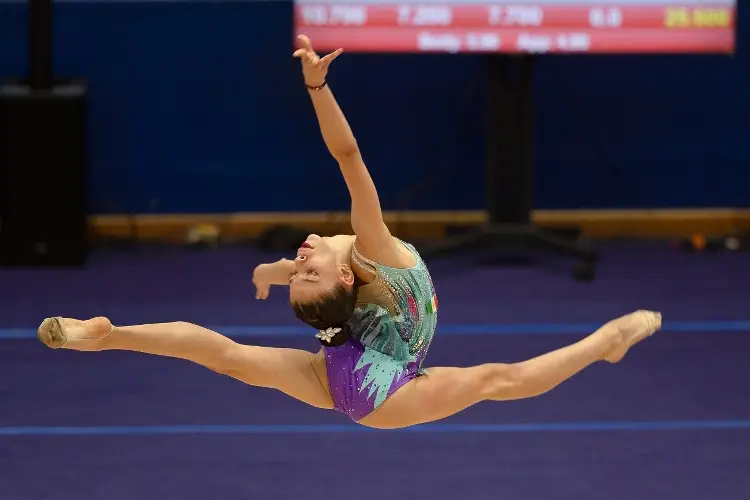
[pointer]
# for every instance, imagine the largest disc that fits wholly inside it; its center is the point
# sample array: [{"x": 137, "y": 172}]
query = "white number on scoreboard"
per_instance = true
[
  {"x": 483, "y": 41},
  {"x": 425, "y": 15},
  {"x": 574, "y": 42},
  {"x": 515, "y": 15},
  {"x": 314, "y": 15},
  {"x": 321, "y": 15},
  {"x": 349, "y": 15},
  {"x": 605, "y": 18}
]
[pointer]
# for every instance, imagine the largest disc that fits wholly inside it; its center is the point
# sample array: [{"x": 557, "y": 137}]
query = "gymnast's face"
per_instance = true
[{"x": 318, "y": 268}]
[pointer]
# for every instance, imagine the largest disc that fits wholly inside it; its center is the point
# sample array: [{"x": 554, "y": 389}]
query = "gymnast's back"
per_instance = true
[{"x": 396, "y": 310}]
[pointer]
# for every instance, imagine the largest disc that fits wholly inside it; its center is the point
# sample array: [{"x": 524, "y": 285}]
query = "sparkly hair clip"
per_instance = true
[{"x": 327, "y": 335}]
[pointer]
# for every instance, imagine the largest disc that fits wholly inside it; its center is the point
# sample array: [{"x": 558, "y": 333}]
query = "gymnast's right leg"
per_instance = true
[
  {"x": 299, "y": 374},
  {"x": 445, "y": 391}
]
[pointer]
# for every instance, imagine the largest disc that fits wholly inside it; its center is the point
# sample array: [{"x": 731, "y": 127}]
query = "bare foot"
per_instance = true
[
  {"x": 631, "y": 329},
  {"x": 75, "y": 334}
]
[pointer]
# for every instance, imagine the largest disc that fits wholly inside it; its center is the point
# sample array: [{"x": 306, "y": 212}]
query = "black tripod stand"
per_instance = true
[{"x": 509, "y": 173}]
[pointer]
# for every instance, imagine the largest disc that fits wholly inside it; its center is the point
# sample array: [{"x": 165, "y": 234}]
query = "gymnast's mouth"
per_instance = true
[{"x": 306, "y": 245}]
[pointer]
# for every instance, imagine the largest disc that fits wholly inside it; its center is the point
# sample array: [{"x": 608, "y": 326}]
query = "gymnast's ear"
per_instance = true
[{"x": 347, "y": 275}]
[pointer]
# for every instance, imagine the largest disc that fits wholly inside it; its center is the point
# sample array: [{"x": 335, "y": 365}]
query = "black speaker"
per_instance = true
[{"x": 43, "y": 175}]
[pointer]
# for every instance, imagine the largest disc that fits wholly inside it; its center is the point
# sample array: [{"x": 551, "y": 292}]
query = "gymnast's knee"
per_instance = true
[
  {"x": 234, "y": 361},
  {"x": 501, "y": 381},
  {"x": 229, "y": 360}
]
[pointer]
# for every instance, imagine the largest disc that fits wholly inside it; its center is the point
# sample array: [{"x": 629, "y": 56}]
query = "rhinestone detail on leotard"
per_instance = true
[{"x": 406, "y": 296}]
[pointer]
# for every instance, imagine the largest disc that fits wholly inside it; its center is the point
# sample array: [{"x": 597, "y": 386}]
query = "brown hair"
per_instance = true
[{"x": 332, "y": 310}]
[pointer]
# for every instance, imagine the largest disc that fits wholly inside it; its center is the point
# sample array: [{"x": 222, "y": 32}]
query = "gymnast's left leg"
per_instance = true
[
  {"x": 299, "y": 374},
  {"x": 443, "y": 392}
]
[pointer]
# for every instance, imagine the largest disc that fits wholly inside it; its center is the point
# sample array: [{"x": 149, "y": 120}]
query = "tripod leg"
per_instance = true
[
  {"x": 565, "y": 246},
  {"x": 456, "y": 243}
]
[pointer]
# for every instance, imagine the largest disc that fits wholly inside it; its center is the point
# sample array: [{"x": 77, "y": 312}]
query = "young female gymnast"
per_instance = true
[{"x": 373, "y": 302}]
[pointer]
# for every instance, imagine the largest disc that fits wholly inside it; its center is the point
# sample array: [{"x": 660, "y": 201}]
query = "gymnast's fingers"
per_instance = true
[
  {"x": 330, "y": 57},
  {"x": 333, "y": 55},
  {"x": 305, "y": 42},
  {"x": 306, "y": 56}
]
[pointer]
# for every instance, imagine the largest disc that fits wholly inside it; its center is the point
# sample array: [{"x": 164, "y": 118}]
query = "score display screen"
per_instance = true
[{"x": 627, "y": 26}]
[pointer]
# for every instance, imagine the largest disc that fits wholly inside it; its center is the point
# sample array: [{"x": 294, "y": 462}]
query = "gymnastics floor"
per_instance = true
[{"x": 671, "y": 422}]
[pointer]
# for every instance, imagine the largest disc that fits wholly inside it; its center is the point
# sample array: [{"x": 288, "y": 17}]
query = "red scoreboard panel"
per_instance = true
[{"x": 628, "y": 26}]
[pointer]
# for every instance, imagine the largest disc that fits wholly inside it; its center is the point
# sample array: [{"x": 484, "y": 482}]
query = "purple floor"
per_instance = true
[{"x": 671, "y": 422}]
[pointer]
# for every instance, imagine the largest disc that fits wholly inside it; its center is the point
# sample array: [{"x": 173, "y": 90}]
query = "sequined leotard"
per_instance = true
[{"x": 392, "y": 328}]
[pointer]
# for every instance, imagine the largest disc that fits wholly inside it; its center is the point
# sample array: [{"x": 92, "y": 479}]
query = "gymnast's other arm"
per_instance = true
[
  {"x": 273, "y": 273},
  {"x": 373, "y": 237}
]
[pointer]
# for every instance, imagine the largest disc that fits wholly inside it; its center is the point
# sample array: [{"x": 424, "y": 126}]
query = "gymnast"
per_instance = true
[{"x": 372, "y": 301}]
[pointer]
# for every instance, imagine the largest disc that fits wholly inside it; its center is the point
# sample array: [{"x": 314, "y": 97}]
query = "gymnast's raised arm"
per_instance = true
[{"x": 373, "y": 237}]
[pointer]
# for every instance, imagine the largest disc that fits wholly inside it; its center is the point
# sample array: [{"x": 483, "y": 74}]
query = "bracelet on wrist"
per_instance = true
[{"x": 315, "y": 88}]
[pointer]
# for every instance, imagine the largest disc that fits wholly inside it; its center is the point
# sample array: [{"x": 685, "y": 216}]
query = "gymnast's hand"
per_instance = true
[
  {"x": 314, "y": 68},
  {"x": 275, "y": 273},
  {"x": 262, "y": 279}
]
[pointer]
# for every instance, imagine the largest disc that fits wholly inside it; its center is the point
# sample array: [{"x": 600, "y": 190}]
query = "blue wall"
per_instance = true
[{"x": 198, "y": 107}]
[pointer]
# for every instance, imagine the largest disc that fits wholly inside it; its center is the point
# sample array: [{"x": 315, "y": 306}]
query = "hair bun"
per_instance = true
[{"x": 334, "y": 336}]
